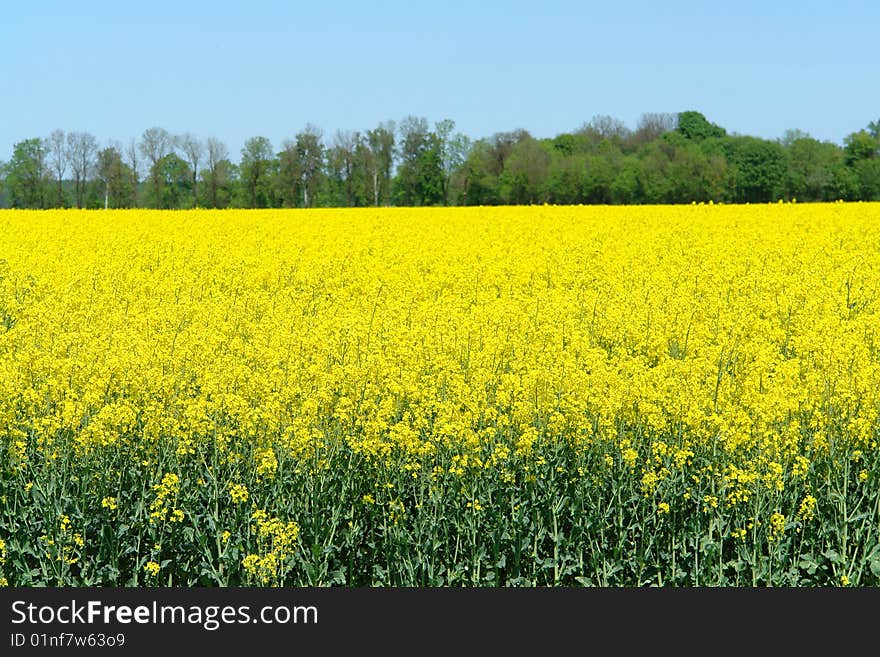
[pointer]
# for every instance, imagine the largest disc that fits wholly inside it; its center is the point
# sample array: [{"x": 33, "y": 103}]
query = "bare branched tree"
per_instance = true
[
  {"x": 56, "y": 149},
  {"x": 216, "y": 153},
  {"x": 155, "y": 144},
  {"x": 81, "y": 150},
  {"x": 652, "y": 125},
  {"x": 193, "y": 150}
]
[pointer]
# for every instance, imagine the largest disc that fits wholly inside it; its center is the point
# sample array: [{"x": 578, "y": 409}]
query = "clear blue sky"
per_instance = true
[{"x": 238, "y": 69}]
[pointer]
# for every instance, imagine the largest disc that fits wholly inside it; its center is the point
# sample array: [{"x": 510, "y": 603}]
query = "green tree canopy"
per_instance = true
[
  {"x": 26, "y": 174},
  {"x": 694, "y": 125}
]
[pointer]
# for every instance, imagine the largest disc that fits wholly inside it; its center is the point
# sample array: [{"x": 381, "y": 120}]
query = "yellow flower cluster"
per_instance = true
[
  {"x": 807, "y": 509},
  {"x": 162, "y": 507},
  {"x": 238, "y": 493},
  {"x": 277, "y": 542},
  {"x": 777, "y": 526}
]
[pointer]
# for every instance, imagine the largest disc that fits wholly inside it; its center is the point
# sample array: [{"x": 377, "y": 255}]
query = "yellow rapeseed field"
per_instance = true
[{"x": 454, "y": 396}]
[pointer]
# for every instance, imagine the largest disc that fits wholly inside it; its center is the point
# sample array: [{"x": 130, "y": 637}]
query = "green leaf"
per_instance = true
[
  {"x": 809, "y": 564},
  {"x": 833, "y": 556}
]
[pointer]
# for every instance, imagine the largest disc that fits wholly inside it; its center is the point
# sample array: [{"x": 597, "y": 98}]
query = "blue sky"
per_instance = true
[{"x": 238, "y": 69}]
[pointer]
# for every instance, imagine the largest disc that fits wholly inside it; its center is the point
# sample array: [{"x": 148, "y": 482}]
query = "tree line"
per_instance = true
[{"x": 667, "y": 158}]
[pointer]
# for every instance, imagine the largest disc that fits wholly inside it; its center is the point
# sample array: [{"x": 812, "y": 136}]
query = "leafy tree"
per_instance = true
[
  {"x": 868, "y": 174},
  {"x": 523, "y": 179},
  {"x": 810, "y": 169},
  {"x": 257, "y": 164},
  {"x": 453, "y": 151},
  {"x": 654, "y": 176},
  {"x": 503, "y": 143},
  {"x": 174, "y": 183},
  {"x": 288, "y": 180},
  {"x": 116, "y": 178},
  {"x": 564, "y": 144},
  {"x": 565, "y": 176},
  {"x": 627, "y": 184},
  {"x": 792, "y": 135},
  {"x": 860, "y": 146},
  {"x": 693, "y": 125},
  {"x": 420, "y": 178},
  {"x": 310, "y": 156},
  {"x": 759, "y": 169},
  {"x": 380, "y": 141},
  {"x": 601, "y": 170},
  {"x": 479, "y": 180},
  {"x": 844, "y": 183},
  {"x": 26, "y": 174}
]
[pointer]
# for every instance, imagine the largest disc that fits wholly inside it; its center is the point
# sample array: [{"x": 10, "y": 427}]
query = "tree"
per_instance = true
[
  {"x": 341, "y": 167},
  {"x": 844, "y": 183},
  {"x": 217, "y": 172},
  {"x": 564, "y": 183},
  {"x": 792, "y": 135},
  {"x": 479, "y": 177},
  {"x": 81, "y": 150},
  {"x": 810, "y": 168},
  {"x": 759, "y": 169},
  {"x": 56, "y": 150},
  {"x": 26, "y": 175},
  {"x": 453, "y": 152},
  {"x": 301, "y": 169},
  {"x": 626, "y": 188},
  {"x": 503, "y": 143},
  {"x": 694, "y": 125},
  {"x": 380, "y": 164},
  {"x": 310, "y": 159},
  {"x": 288, "y": 179},
  {"x": 257, "y": 162},
  {"x": 600, "y": 175},
  {"x": 174, "y": 183},
  {"x": 420, "y": 178},
  {"x": 860, "y": 146},
  {"x": 192, "y": 150},
  {"x": 603, "y": 127},
  {"x": 653, "y": 125},
  {"x": 523, "y": 178},
  {"x": 868, "y": 174},
  {"x": 117, "y": 179},
  {"x": 155, "y": 144},
  {"x": 874, "y": 129}
]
